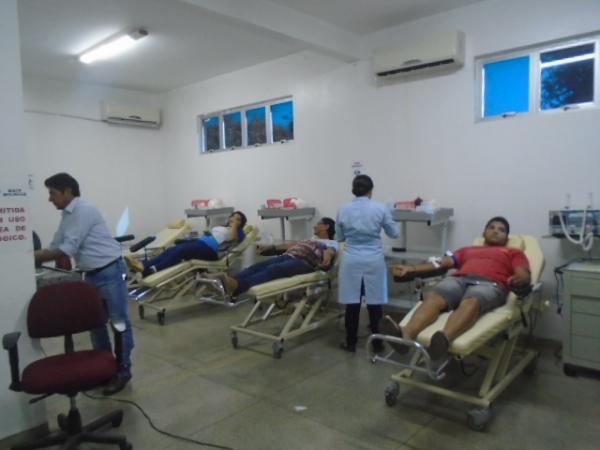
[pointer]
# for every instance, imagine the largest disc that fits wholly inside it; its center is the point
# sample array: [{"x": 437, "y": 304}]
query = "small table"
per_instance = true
[
  {"x": 209, "y": 214},
  {"x": 289, "y": 214},
  {"x": 439, "y": 217}
]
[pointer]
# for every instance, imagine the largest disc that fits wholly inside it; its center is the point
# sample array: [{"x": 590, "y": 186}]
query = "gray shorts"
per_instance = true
[{"x": 454, "y": 289}]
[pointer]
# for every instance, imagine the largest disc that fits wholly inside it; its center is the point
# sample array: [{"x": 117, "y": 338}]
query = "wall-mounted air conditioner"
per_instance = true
[
  {"x": 134, "y": 115},
  {"x": 434, "y": 52}
]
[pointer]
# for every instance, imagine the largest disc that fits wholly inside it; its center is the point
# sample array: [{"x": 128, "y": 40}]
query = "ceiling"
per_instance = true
[{"x": 194, "y": 40}]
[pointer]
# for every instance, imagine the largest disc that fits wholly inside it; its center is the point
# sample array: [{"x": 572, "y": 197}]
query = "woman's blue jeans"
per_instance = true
[{"x": 283, "y": 266}]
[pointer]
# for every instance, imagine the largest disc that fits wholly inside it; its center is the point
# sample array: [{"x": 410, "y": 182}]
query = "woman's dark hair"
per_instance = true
[
  {"x": 362, "y": 185},
  {"x": 500, "y": 219},
  {"x": 242, "y": 216},
  {"x": 63, "y": 181},
  {"x": 331, "y": 224}
]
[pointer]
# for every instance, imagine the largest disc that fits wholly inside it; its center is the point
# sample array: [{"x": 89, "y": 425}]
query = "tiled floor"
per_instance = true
[{"x": 191, "y": 382}]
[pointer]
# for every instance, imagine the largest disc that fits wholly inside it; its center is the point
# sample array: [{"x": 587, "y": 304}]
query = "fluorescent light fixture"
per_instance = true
[{"x": 112, "y": 47}]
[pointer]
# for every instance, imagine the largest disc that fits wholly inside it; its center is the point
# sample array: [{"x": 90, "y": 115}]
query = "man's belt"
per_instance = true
[{"x": 100, "y": 269}]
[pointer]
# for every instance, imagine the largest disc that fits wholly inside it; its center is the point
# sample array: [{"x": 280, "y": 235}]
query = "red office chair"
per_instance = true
[{"x": 63, "y": 310}]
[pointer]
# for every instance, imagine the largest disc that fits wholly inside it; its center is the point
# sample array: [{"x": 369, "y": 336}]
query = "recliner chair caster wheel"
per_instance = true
[
  {"x": 63, "y": 422},
  {"x": 277, "y": 350},
  {"x": 391, "y": 394},
  {"x": 477, "y": 419}
]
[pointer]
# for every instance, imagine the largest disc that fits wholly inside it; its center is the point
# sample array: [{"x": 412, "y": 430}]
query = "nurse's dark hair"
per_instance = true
[
  {"x": 242, "y": 216},
  {"x": 61, "y": 182},
  {"x": 500, "y": 219},
  {"x": 331, "y": 224},
  {"x": 362, "y": 185}
]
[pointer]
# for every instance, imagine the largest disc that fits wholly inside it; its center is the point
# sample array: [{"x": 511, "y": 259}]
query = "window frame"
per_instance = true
[
  {"x": 535, "y": 70},
  {"x": 244, "y": 123}
]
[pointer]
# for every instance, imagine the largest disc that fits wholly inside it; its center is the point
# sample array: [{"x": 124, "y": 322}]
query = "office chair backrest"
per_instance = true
[{"x": 65, "y": 308}]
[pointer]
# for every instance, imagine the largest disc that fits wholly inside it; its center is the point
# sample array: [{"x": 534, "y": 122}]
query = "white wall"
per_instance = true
[
  {"x": 414, "y": 138},
  {"x": 16, "y": 259},
  {"x": 116, "y": 166}
]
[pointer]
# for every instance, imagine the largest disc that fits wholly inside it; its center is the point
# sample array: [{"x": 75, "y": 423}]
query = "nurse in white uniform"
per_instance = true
[{"x": 362, "y": 270}]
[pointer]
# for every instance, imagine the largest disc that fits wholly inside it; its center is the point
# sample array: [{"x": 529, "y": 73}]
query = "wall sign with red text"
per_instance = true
[{"x": 14, "y": 229}]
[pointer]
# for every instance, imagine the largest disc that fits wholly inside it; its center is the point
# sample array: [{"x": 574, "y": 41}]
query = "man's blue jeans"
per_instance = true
[
  {"x": 113, "y": 288},
  {"x": 272, "y": 269}
]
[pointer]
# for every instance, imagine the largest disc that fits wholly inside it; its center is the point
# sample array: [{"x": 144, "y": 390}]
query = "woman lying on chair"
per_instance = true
[
  {"x": 485, "y": 275},
  {"x": 298, "y": 258},
  {"x": 206, "y": 248}
]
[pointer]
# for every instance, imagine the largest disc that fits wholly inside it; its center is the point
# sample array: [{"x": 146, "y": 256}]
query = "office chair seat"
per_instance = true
[{"x": 69, "y": 373}]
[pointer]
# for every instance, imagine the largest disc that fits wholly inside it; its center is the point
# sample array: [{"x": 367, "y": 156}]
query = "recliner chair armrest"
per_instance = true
[
  {"x": 424, "y": 274},
  {"x": 9, "y": 343}
]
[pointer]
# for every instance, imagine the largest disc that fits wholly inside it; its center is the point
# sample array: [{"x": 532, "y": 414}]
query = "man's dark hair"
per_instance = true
[
  {"x": 242, "y": 216},
  {"x": 63, "y": 181},
  {"x": 331, "y": 224},
  {"x": 362, "y": 185},
  {"x": 500, "y": 219}
]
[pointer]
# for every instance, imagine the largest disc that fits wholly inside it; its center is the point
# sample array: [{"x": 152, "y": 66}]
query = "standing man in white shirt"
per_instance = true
[{"x": 84, "y": 236}]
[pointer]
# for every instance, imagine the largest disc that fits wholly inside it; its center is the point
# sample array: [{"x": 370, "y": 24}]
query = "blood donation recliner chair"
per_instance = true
[{"x": 494, "y": 338}]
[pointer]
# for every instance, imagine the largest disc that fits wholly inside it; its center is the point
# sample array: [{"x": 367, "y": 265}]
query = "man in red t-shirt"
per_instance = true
[{"x": 485, "y": 275}]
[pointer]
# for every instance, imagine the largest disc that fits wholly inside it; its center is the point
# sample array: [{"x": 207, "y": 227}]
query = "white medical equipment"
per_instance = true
[
  {"x": 579, "y": 226},
  {"x": 290, "y": 214},
  {"x": 213, "y": 211}
]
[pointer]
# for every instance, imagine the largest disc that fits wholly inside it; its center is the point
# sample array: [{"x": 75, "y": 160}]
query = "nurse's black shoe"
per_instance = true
[
  {"x": 348, "y": 347},
  {"x": 378, "y": 346}
]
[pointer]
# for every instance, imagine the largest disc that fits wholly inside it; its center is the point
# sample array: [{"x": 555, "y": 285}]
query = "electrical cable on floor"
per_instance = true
[{"x": 166, "y": 433}]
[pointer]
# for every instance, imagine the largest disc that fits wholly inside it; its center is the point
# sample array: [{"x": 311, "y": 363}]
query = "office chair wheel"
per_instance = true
[
  {"x": 116, "y": 422},
  {"x": 570, "y": 370},
  {"x": 141, "y": 311},
  {"x": 277, "y": 350},
  {"x": 477, "y": 419},
  {"x": 234, "y": 340},
  {"x": 391, "y": 394},
  {"x": 160, "y": 316},
  {"x": 126, "y": 446}
]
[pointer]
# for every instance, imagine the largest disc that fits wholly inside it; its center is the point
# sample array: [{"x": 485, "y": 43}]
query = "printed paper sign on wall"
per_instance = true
[{"x": 14, "y": 230}]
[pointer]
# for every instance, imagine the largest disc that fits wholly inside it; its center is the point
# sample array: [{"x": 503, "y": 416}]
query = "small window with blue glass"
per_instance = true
[
  {"x": 210, "y": 134},
  {"x": 282, "y": 116},
  {"x": 506, "y": 87}
]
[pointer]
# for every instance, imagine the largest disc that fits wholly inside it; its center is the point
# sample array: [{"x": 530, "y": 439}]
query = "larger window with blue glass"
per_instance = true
[
  {"x": 567, "y": 76},
  {"x": 557, "y": 77}
]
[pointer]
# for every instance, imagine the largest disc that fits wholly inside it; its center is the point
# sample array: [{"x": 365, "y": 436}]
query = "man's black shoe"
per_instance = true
[
  {"x": 349, "y": 348},
  {"x": 438, "y": 347},
  {"x": 116, "y": 384},
  {"x": 391, "y": 328}
]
